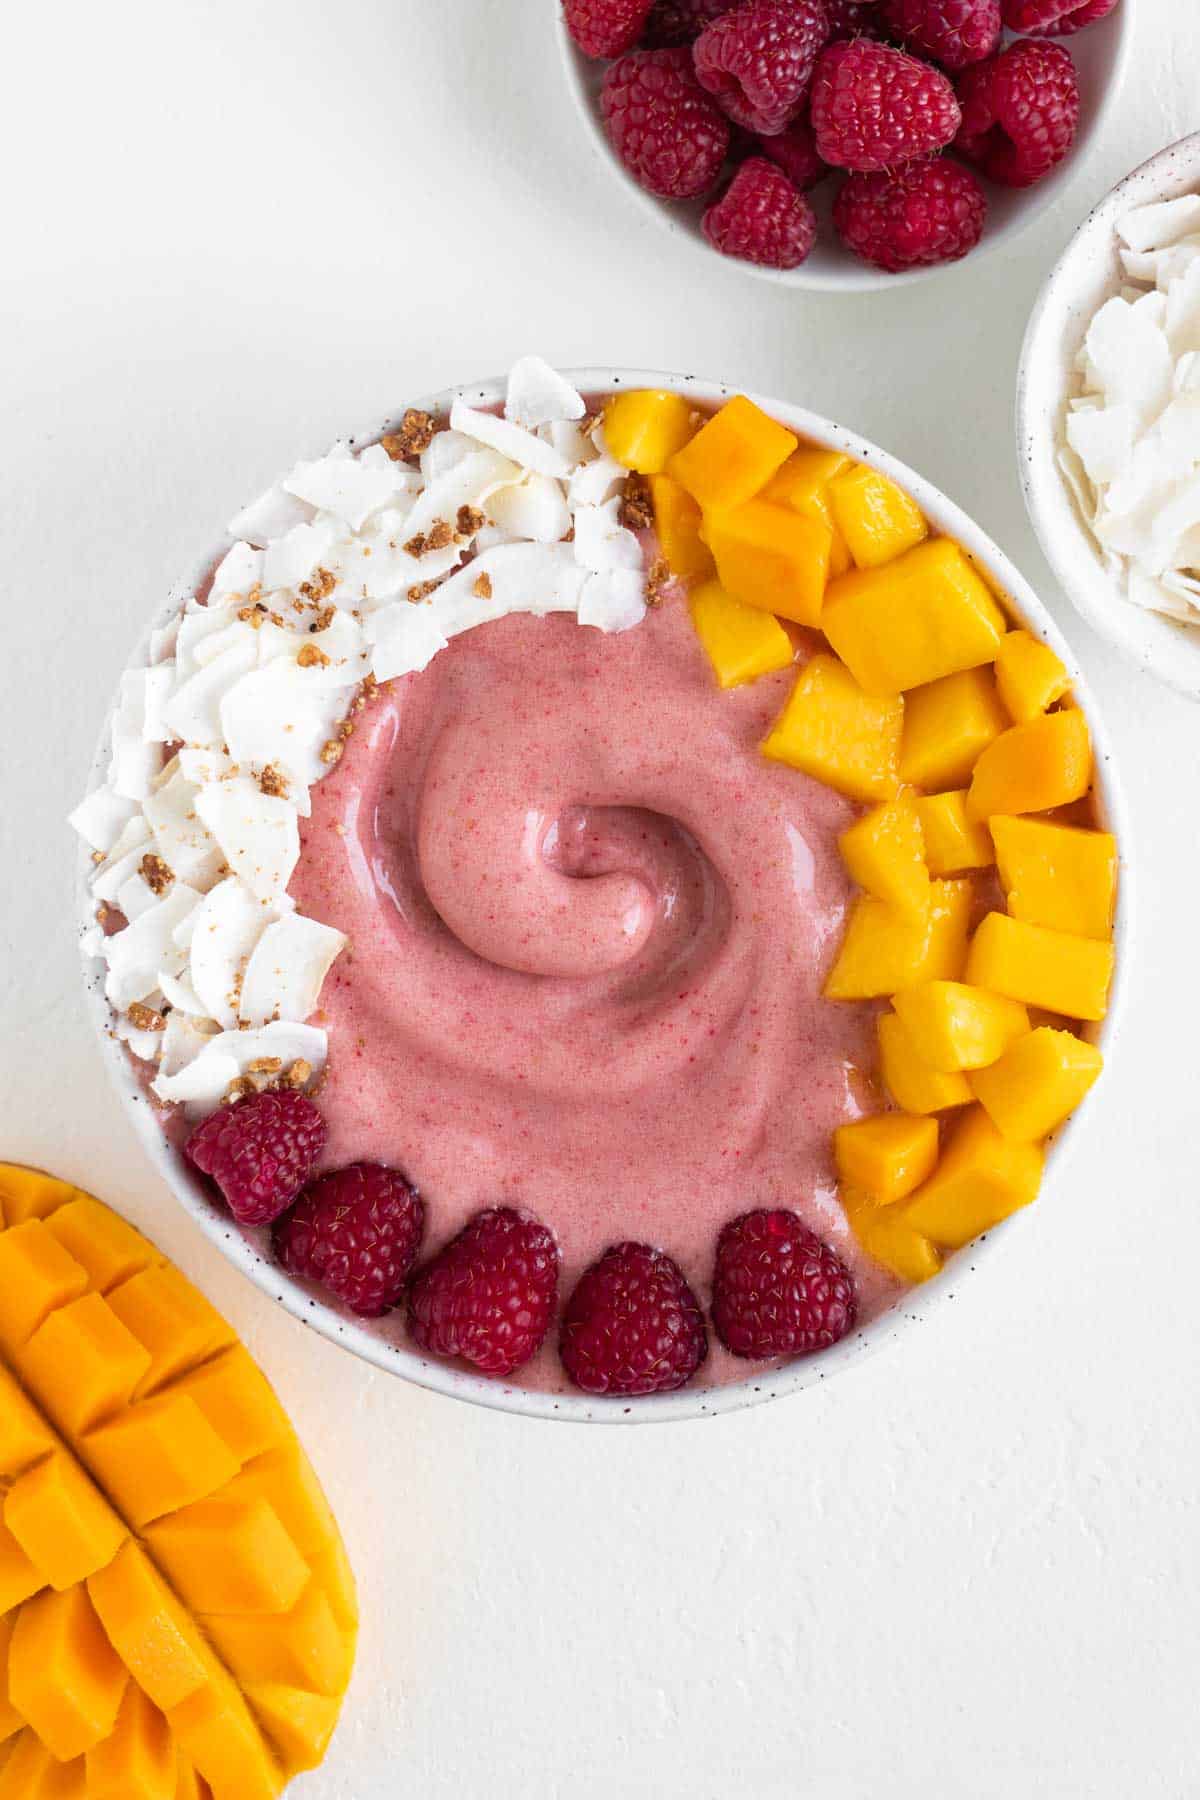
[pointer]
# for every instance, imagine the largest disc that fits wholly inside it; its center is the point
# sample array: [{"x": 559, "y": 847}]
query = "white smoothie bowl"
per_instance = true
[
  {"x": 382, "y": 1342},
  {"x": 1088, "y": 274}
]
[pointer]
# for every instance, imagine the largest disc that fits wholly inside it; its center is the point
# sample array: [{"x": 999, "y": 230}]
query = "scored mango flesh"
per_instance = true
[{"x": 177, "y": 1613}]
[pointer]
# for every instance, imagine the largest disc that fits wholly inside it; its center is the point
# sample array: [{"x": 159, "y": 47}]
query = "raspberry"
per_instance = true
[
  {"x": 777, "y": 1289},
  {"x": 795, "y": 152},
  {"x": 853, "y": 18},
  {"x": 927, "y": 212},
  {"x": 762, "y": 218},
  {"x": 674, "y": 22},
  {"x": 355, "y": 1231},
  {"x": 633, "y": 1325},
  {"x": 874, "y": 107},
  {"x": 489, "y": 1295},
  {"x": 670, "y": 134},
  {"x": 605, "y": 27},
  {"x": 259, "y": 1151},
  {"x": 758, "y": 60},
  {"x": 952, "y": 32},
  {"x": 1055, "y": 18},
  {"x": 1020, "y": 112}
]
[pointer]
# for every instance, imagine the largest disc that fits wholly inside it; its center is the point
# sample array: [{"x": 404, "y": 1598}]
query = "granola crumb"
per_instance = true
[
  {"x": 482, "y": 589},
  {"x": 637, "y": 509},
  {"x": 422, "y": 591},
  {"x": 98, "y": 856},
  {"x": 469, "y": 520},
  {"x": 299, "y": 1073},
  {"x": 156, "y": 874},
  {"x": 413, "y": 434},
  {"x": 238, "y": 1090},
  {"x": 441, "y": 534},
  {"x": 320, "y": 587},
  {"x": 417, "y": 546},
  {"x": 324, "y": 619},
  {"x": 658, "y": 578},
  {"x": 273, "y": 781},
  {"x": 311, "y": 656},
  {"x": 265, "y": 1065},
  {"x": 145, "y": 1018},
  {"x": 331, "y": 751},
  {"x": 252, "y": 615}
]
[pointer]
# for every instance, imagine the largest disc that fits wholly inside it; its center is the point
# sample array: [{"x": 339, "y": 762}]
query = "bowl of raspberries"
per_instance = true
[{"x": 844, "y": 143}]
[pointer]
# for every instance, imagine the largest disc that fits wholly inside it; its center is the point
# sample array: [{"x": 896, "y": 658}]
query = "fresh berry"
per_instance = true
[
  {"x": 874, "y": 107},
  {"x": 633, "y": 1325},
  {"x": 674, "y": 22},
  {"x": 778, "y": 1290},
  {"x": 1055, "y": 18},
  {"x": 927, "y": 212},
  {"x": 953, "y": 32},
  {"x": 1020, "y": 112},
  {"x": 669, "y": 133},
  {"x": 606, "y": 27},
  {"x": 762, "y": 218},
  {"x": 795, "y": 152},
  {"x": 489, "y": 1295},
  {"x": 853, "y": 18},
  {"x": 356, "y": 1232},
  {"x": 758, "y": 60},
  {"x": 260, "y": 1151}
]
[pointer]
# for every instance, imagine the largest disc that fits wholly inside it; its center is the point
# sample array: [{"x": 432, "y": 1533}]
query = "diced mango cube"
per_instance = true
[
  {"x": 173, "y": 1321},
  {"x": 106, "y": 1246},
  {"x": 24, "y": 1434},
  {"x": 677, "y": 520},
  {"x": 835, "y": 732},
  {"x": 286, "y": 1479},
  {"x": 877, "y": 519},
  {"x": 188, "y": 1784},
  {"x": 62, "y": 1522},
  {"x": 955, "y": 1027},
  {"x": 1029, "y": 675},
  {"x": 981, "y": 1178},
  {"x": 158, "y": 1456},
  {"x": 19, "y": 1578},
  {"x": 947, "y": 724},
  {"x": 331, "y": 1569},
  {"x": 887, "y": 1156},
  {"x": 151, "y": 1631},
  {"x": 644, "y": 429},
  {"x": 741, "y": 642},
  {"x": 36, "y": 1276},
  {"x": 953, "y": 840},
  {"x": 926, "y": 615},
  {"x": 1053, "y": 970},
  {"x": 10, "y": 1719},
  {"x": 139, "y": 1760},
  {"x": 1037, "y": 1083},
  {"x": 886, "y": 1238},
  {"x": 884, "y": 950},
  {"x": 29, "y": 1194},
  {"x": 259, "y": 1569},
  {"x": 913, "y": 1084},
  {"x": 732, "y": 456},
  {"x": 771, "y": 557},
  {"x": 64, "y": 1676},
  {"x": 296, "y": 1723},
  {"x": 303, "y": 1647},
  {"x": 82, "y": 1364},
  {"x": 885, "y": 854},
  {"x": 1033, "y": 767},
  {"x": 1057, "y": 875},
  {"x": 215, "y": 1727},
  {"x": 239, "y": 1403},
  {"x": 803, "y": 484},
  {"x": 31, "y": 1772}
]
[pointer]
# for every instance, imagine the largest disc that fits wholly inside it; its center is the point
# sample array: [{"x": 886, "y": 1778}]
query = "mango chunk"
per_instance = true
[
  {"x": 139, "y": 1760},
  {"x": 64, "y": 1677},
  {"x": 32, "y": 1773},
  {"x": 677, "y": 521},
  {"x": 886, "y": 1238},
  {"x": 24, "y": 1435},
  {"x": 188, "y": 1784},
  {"x": 36, "y": 1276},
  {"x": 1033, "y": 767},
  {"x": 955, "y": 1027},
  {"x": 981, "y": 1178},
  {"x": 877, "y": 519},
  {"x": 926, "y": 615},
  {"x": 1057, "y": 875},
  {"x": 19, "y": 1577},
  {"x": 106, "y": 1246},
  {"x": 644, "y": 429},
  {"x": 156, "y": 1640},
  {"x": 771, "y": 557},
  {"x": 803, "y": 484},
  {"x": 172, "y": 1320},
  {"x": 885, "y": 854},
  {"x": 884, "y": 950},
  {"x": 741, "y": 642},
  {"x": 835, "y": 732},
  {"x": 259, "y": 1569},
  {"x": 215, "y": 1728},
  {"x": 296, "y": 1723},
  {"x": 914, "y": 1085},
  {"x": 732, "y": 456},
  {"x": 159, "y": 1456},
  {"x": 62, "y": 1522},
  {"x": 10, "y": 1719},
  {"x": 1053, "y": 970},
  {"x": 1029, "y": 675},
  {"x": 953, "y": 840},
  {"x": 82, "y": 1364},
  {"x": 239, "y": 1403},
  {"x": 300, "y": 1648},
  {"x": 1037, "y": 1083},
  {"x": 331, "y": 1569},
  {"x": 28, "y": 1194},
  {"x": 887, "y": 1156},
  {"x": 947, "y": 724},
  {"x": 286, "y": 1480}
]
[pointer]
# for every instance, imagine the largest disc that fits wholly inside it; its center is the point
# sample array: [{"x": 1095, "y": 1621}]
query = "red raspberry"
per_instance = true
[
  {"x": 259, "y": 1151},
  {"x": 952, "y": 32},
  {"x": 874, "y": 107},
  {"x": 758, "y": 60},
  {"x": 795, "y": 152},
  {"x": 927, "y": 212},
  {"x": 853, "y": 18},
  {"x": 1020, "y": 112},
  {"x": 605, "y": 27},
  {"x": 488, "y": 1296},
  {"x": 777, "y": 1289},
  {"x": 670, "y": 134},
  {"x": 633, "y": 1325},
  {"x": 762, "y": 218},
  {"x": 674, "y": 22},
  {"x": 1055, "y": 18},
  {"x": 355, "y": 1231}
]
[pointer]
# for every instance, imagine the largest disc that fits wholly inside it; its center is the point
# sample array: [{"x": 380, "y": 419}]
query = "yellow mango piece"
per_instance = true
[
  {"x": 10, "y": 1719},
  {"x": 947, "y": 724},
  {"x": 884, "y": 950},
  {"x": 1033, "y": 767},
  {"x": 172, "y": 1320},
  {"x": 926, "y": 615},
  {"x": 886, "y": 1238},
  {"x": 100, "y": 1242},
  {"x": 158, "y": 1456},
  {"x": 139, "y": 1760},
  {"x": 82, "y": 1364},
  {"x": 885, "y": 854},
  {"x": 239, "y": 1403},
  {"x": 1037, "y": 1083},
  {"x": 299, "y": 1648},
  {"x": 64, "y": 1677},
  {"x": 771, "y": 557},
  {"x": 151, "y": 1631},
  {"x": 741, "y": 642},
  {"x": 887, "y": 1156},
  {"x": 955, "y": 1027},
  {"x": 732, "y": 456},
  {"x": 914, "y": 1085},
  {"x": 835, "y": 732},
  {"x": 24, "y": 1435},
  {"x": 803, "y": 484},
  {"x": 1057, "y": 875},
  {"x": 953, "y": 840},
  {"x": 644, "y": 429},
  {"x": 29, "y": 1194},
  {"x": 32, "y": 1773},
  {"x": 216, "y": 1730},
  {"x": 877, "y": 519},
  {"x": 62, "y": 1522},
  {"x": 297, "y": 1724},
  {"x": 1053, "y": 970},
  {"x": 258, "y": 1570},
  {"x": 19, "y": 1578},
  {"x": 36, "y": 1276},
  {"x": 677, "y": 521},
  {"x": 287, "y": 1481},
  {"x": 1029, "y": 675},
  {"x": 981, "y": 1178},
  {"x": 331, "y": 1569},
  {"x": 188, "y": 1784}
]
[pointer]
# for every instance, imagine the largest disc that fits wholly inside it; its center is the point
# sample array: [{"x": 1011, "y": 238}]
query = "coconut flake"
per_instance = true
[
  {"x": 179, "y": 834},
  {"x": 101, "y": 817},
  {"x": 271, "y": 516},
  {"x": 287, "y": 969},
  {"x": 228, "y": 924},
  {"x": 202, "y": 1083},
  {"x": 539, "y": 395},
  {"x": 136, "y": 954},
  {"x": 509, "y": 440},
  {"x": 349, "y": 488},
  {"x": 613, "y": 601},
  {"x": 257, "y": 833}
]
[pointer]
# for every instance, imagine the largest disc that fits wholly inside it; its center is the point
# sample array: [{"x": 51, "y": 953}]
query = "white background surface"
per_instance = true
[{"x": 970, "y": 1567}]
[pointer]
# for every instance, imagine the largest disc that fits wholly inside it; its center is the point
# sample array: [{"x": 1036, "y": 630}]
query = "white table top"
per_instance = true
[{"x": 968, "y": 1568}]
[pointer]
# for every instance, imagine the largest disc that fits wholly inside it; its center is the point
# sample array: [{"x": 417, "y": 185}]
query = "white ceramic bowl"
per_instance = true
[
  {"x": 1088, "y": 274},
  {"x": 1101, "y": 53},
  {"x": 383, "y": 1343}
]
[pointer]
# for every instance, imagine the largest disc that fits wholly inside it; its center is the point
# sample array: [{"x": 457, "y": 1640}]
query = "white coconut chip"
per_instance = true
[
  {"x": 201, "y": 1084},
  {"x": 101, "y": 817},
  {"x": 347, "y": 487},
  {"x": 183, "y": 1038},
  {"x": 271, "y": 516},
  {"x": 535, "y": 508},
  {"x": 180, "y": 837},
  {"x": 539, "y": 395},
  {"x": 228, "y": 924},
  {"x": 240, "y": 570},
  {"x": 602, "y": 542},
  {"x": 1160, "y": 224},
  {"x": 136, "y": 954},
  {"x": 287, "y": 969},
  {"x": 257, "y": 833},
  {"x": 613, "y": 601},
  {"x": 276, "y": 716},
  {"x": 509, "y": 440},
  {"x": 595, "y": 482},
  {"x": 295, "y": 558},
  {"x": 194, "y": 711},
  {"x": 405, "y": 639}
]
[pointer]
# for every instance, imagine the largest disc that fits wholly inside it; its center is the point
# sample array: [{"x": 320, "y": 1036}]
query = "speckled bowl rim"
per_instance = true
[{"x": 397, "y": 1357}]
